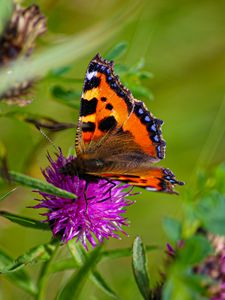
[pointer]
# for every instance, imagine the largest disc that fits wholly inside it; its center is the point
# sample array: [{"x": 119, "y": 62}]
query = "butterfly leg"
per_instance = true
[
  {"x": 109, "y": 190},
  {"x": 86, "y": 200},
  {"x": 85, "y": 194}
]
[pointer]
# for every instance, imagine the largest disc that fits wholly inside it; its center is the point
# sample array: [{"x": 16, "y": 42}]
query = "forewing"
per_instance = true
[
  {"x": 107, "y": 109},
  {"x": 105, "y": 105}
]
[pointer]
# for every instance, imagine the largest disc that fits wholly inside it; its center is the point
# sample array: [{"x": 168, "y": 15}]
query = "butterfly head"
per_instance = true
[
  {"x": 79, "y": 166},
  {"x": 70, "y": 168}
]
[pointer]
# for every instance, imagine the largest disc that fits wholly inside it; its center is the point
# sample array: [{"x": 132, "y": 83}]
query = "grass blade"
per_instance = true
[{"x": 4, "y": 196}]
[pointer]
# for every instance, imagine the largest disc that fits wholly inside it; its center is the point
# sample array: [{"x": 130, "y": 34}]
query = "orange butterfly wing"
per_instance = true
[
  {"x": 155, "y": 179},
  {"x": 119, "y": 132},
  {"x": 106, "y": 106},
  {"x": 103, "y": 108}
]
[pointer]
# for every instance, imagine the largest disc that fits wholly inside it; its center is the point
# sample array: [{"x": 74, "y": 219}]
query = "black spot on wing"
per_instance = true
[
  {"x": 103, "y": 99},
  {"x": 88, "y": 127},
  {"x": 94, "y": 82},
  {"x": 107, "y": 123},
  {"x": 109, "y": 106},
  {"x": 98, "y": 64},
  {"x": 88, "y": 107}
]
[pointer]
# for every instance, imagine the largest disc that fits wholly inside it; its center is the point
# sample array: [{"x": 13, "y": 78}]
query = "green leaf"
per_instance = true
[
  {"x": 145, "y": 75},
  {"x": 37, "y": 254},
  {"x": 172, "y": 228},
  {"x": 24, "y": 221},
  {"x": 211, "y": 212},
  {"x": 75, "y": 284},
  {"x": 99, "y": 281},
  {"x": 219, "y": 175},
  {"x": 140, "y": 268},
  {"x": 117, "y": 51},
  {"x": 38, "y": 184},
  {"x": 141, "y": 91},
  {"x": 195, "y": 250},
  {"x": 67, "y": 97},
  {"x": 184, "y": 284},
  {"x": 176, "y": 289},
  {"x": 20, "y": 277}
]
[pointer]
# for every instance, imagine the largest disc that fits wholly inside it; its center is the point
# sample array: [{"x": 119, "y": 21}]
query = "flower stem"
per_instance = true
[{"x": 43, "y": 275}]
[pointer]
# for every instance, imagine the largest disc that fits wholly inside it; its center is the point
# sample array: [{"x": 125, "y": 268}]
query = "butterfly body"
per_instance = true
[{"x": 117, "y": 136}]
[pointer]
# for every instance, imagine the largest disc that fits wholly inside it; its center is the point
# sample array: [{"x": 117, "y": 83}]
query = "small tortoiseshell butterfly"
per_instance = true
[{"x": 117, "y": 136}]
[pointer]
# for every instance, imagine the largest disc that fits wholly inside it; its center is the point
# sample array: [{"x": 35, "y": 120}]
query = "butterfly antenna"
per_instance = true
[{"x": 47, "y": 138}]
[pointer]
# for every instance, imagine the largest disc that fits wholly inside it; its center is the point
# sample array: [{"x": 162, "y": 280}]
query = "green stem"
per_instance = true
[{"x": 43, "y": 275}]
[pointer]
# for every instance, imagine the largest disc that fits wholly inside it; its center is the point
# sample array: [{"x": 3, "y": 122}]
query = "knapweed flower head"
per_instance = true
[
  {"x": 214, "y": 267},
  {"x": 18, "y": 40},
  {"x": 96, "y": 214}
]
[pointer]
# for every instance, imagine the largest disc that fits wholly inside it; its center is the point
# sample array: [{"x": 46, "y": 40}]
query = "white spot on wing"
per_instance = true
[
  {"x": 151, "y": 189},
  {"x": 91, "y": 74}
]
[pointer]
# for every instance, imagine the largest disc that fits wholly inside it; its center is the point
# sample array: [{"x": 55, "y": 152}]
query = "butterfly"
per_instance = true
[{"x": 117, "y": 137}]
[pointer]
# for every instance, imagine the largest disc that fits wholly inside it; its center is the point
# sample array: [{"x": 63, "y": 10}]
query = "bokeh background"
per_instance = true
[{"x": 183, "y": 45}]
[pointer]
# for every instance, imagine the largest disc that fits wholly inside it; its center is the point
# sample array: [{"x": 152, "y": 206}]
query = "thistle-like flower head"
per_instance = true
[
  {"x": 18, "y": 40},
  {"x": 97, "y": 212}
]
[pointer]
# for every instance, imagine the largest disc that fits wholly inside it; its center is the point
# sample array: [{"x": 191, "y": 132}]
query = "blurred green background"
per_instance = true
[{"x": 183, "y": 45}]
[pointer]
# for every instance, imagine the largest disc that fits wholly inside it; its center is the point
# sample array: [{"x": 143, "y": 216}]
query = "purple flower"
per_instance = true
[
  {"x": 218, "y": 243},
  {"x": 97, "y": 212},
  {"x": 213, "y": 266}
]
